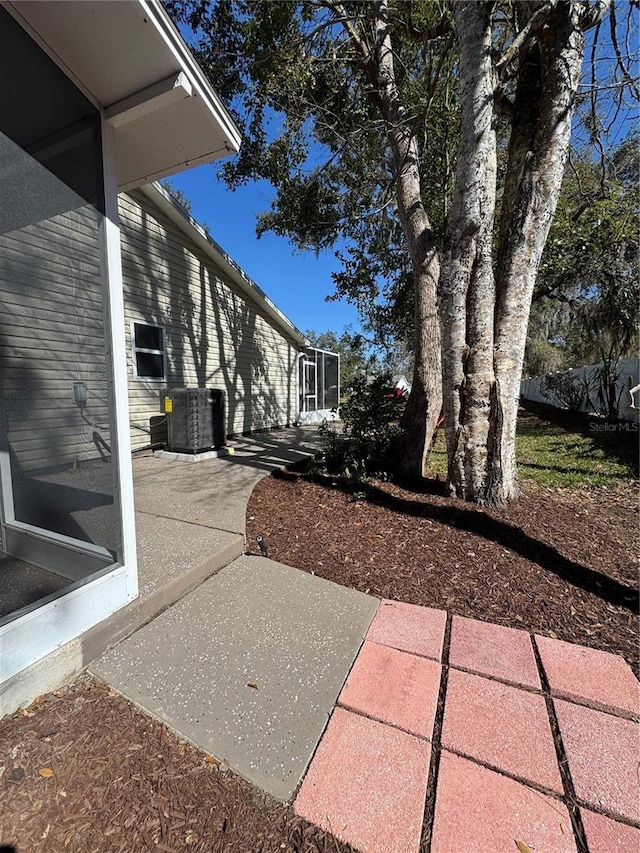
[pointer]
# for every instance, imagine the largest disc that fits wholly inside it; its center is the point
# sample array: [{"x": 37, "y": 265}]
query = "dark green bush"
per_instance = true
[{"x": 370, "y": 442}]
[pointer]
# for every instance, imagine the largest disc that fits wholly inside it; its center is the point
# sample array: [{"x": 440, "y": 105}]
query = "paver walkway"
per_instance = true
[{"x": 513, "y": 742}]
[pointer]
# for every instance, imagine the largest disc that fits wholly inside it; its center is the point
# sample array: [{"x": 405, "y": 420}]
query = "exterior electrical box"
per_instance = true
[{"x": 195, "y": 419}]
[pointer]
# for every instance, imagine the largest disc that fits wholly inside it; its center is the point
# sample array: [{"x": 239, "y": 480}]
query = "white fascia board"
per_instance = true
[
  {"x": 188, "y": 225},
  {"x": 201, "y": 86}
]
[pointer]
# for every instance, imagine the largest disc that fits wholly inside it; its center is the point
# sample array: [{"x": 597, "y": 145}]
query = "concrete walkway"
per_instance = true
[
  {"x": 248, "y": 666},
  {"x": 384, "y": 723},
  {"x": 190, "y": 523}
]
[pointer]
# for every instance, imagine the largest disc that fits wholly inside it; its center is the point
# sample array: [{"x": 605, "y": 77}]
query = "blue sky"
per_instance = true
[{"x": 297, "y": 282}]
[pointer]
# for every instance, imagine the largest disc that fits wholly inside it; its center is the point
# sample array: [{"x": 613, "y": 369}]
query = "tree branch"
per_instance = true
[
  {"x": 442, "y": 28},
  {"x": 628, "y": 80},
  {"x": 517, "y": 49}
]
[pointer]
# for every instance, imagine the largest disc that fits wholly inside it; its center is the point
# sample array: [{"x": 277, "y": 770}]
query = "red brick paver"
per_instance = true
[
  {"x": 598, "y": 679},
  {"x": 498, "y": 781},
  {"x": 502, "y": 726},
  {"x": 608, "y": 836},
  {"x": 410, "y": 628},
  {"x": 367, "y": 784},
  {"x": 602, "y": 751},
  {"x": 478, "y": 810},
  {"x": 493, "y": 650},
  {"x": 395, "y": 687}
]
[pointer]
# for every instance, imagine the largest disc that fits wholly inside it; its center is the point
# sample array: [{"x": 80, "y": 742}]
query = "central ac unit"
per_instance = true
[{"x": 195, "y": 419}]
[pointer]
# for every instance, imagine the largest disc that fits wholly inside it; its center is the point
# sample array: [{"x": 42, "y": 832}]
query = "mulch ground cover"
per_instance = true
[
  {"x": 560, "y": 562},
  {"x": 85, "y": 771}
]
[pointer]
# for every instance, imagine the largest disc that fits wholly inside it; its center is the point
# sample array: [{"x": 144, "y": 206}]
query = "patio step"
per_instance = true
[
  {"x": 174, "y": 558},
  {"x": 180, "y": 558}
]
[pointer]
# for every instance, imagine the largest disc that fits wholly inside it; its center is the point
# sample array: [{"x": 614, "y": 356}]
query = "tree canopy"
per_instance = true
[{"x": 431, "y": 138}]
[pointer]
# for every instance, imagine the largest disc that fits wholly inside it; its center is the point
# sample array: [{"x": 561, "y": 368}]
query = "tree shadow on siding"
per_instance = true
[
  {"x": 161, "y": 303},
  {"x": 213, "y": 333},
  {"x": 250, "y": 370}
]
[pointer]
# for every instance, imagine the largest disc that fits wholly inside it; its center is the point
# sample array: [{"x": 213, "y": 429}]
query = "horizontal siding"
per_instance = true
[
  {"x": 51, "y": 335},
  {"x": 215, "y": 336}
]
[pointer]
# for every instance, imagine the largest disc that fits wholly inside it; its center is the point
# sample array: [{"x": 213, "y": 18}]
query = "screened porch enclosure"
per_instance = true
[
  {"x": 319, "y": 385},
  {"x": 59, "y": 518}
]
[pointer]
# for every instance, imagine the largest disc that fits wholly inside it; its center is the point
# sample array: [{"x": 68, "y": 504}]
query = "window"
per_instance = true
[{"x": 148, "y": 351}]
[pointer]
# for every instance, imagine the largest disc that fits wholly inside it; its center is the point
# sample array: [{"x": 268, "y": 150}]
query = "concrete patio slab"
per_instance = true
[
  {"x": 216, "y": 494},
  {"x": 248, "y": 666},
  {"x": 410, "y": 628},
  {"x": 609, "y": 836},
  {"x": 502, "y": 726},
  {"x": 493, "y": 650},
  {"x": 367, "y": 785},
  {"x": 602, "y": 751},
  {"x": 589, "y": 676},
  {"x": 394, "y": 687},
  {"x": 478, "y": 811}
]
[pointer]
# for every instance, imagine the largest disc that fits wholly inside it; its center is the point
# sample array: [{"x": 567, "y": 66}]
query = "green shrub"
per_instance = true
[
  {"x": 370, "y": 442},
  {"x": 569, "y": 390}
]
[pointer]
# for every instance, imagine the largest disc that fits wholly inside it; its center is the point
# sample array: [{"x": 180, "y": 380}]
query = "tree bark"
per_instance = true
[
  {"x": 538, "y": 152},
  {"x": 467, "y": 291},
  {"x": 425, "y": 400}
]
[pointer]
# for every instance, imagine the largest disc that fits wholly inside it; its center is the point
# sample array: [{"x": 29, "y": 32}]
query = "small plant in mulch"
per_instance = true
[{"x": 370, "y": 441}]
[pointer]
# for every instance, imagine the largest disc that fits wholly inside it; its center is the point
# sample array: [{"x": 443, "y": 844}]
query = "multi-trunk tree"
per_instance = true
[
  {"x": 489, "y": 270},
  {"x": 356, "y": 112}
]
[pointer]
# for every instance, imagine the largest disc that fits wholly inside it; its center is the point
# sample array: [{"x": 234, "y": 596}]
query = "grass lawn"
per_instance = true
[{"x": 556, "y": 448}]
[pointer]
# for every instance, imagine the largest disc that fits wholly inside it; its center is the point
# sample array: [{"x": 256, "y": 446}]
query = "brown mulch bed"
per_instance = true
[
  {"x": 561, "y": 562},
  {"x": 85, "y": 771}
]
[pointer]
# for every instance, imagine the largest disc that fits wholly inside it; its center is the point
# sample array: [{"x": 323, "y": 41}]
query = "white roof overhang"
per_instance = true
[
  {"x": 130, "y": 59},
  {"x": 196, "y": 233}
]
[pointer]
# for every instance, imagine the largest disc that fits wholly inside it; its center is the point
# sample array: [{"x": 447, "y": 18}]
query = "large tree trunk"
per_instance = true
[
  {"x": 467, "y": 292},
  {"x": 538, "y": 152},
  {"x": 425, "y": 400}
]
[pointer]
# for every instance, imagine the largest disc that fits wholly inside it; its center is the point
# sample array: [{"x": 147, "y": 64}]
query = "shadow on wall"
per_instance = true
[
  {"x": 248, "y": 379},
  {"x": 53, "y": 337},
  {"x": 213, "y": 335}
]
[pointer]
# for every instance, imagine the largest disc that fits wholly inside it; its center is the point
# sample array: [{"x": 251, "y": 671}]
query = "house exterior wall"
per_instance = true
[
  {"x": 51, "y": 335},
  {"x": 215, "y": 336}
]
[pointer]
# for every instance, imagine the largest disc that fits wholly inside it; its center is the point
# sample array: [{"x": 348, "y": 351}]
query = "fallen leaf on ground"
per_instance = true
[{"x": 46, "y": 772}]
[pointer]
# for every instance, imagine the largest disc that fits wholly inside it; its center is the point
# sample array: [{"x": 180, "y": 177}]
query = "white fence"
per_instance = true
[{"x": 628, "y": 373}]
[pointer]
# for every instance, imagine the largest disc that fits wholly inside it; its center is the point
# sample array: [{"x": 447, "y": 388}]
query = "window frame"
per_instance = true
[{"x": 136, "y": 349}]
